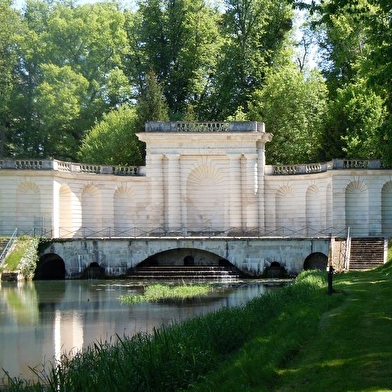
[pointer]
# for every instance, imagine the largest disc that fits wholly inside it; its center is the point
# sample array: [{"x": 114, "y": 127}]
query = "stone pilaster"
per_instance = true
[
  {"x": 173, "y": 203},
  {"x": 235, "y": 202},
  {"x": 157, "y": 205},
  {"x": 56, "y": 209},
  {"x": 260, "y": 186},
  {"x": 249, "y": 192}
]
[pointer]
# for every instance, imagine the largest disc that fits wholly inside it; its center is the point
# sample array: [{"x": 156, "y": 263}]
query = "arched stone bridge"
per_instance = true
[{"x": 117, "y": 256}]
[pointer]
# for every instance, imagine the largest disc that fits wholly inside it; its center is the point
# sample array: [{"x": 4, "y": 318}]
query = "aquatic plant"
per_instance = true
[{"x": 158, "y": 292}]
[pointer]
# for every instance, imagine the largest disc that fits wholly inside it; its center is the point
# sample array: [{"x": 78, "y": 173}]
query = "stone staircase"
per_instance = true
[
  {"x": 176, "y": 272},
  {"x": 366, "y": 253}
]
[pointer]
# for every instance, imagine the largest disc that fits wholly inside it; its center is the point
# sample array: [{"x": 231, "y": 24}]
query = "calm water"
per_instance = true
[{"x": 41, "y": 320}]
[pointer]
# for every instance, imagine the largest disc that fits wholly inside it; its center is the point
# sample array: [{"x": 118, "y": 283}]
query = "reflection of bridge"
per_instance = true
[
  {"x": 249, "y": 254},
  {"x": 200, "y": 180}
]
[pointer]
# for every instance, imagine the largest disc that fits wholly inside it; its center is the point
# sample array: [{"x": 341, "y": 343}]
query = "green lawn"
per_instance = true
[
  {"x": 348, "y": 348},
  {"x": 352, "y": 350}
]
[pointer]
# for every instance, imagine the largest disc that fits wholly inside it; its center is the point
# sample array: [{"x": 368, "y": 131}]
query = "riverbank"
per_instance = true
[
  {"x": 348, "y": 348},
  {"x": 297, "y": 338}
]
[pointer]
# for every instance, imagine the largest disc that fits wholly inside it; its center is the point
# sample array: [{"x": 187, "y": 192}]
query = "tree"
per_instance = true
[
  {"x": 253, "y": 31},
  {"x": 9, "y": 35},
  {"x": 178, "y": 41},
  {"x": 60, "y": 100},
  {"x": 353, "y": 125},
  {"x": 113, "y": 140},
  {"x": 152, "y": 104},
  {"x": 357, "y": 44},
  {"x": 293, "y": 107},
  {"x": 65, "y": 46}
]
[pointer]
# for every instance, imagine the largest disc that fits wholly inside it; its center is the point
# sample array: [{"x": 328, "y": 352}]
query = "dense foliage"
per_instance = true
[{"x": 70, "y": 75}]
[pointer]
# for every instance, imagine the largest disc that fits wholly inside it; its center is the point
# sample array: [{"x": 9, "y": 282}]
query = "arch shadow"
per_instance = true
[
  {"x": 50, "y": 267},
  {"x": 316, "y": 261}
]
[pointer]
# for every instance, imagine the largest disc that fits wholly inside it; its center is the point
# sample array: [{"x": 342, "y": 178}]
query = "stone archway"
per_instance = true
[
  {"x": 50, "y": 267},
  {"x": 316, "y": 261}
]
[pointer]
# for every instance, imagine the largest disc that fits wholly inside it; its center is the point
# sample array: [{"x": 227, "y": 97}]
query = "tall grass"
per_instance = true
[
  {"x": 23, "y": 256},
  {"x": 179, "y": 356}
]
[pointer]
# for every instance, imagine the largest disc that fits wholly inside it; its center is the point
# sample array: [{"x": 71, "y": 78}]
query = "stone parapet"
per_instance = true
[
  {"x": 209, "y": 126},
  {"x": 70, "y": 167}
]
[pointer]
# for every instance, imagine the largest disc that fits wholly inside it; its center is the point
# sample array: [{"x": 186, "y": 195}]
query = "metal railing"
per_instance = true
[
  {"x": 8, "y": 246},
  {"x": 180, "y": 232}
]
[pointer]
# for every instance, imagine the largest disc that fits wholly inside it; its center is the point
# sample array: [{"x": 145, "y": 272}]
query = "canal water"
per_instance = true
[{"x": 41, "y": 320}]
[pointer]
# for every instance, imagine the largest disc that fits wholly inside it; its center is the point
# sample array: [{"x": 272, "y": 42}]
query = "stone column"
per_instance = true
[
  {"x": 173, "y": 186},
  {"x": 235, "y": 202},
  {"x": 249, "y": 192}
]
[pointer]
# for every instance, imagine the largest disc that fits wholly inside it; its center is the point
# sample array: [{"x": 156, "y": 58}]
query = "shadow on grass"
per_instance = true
[{"x": 353, "y": 349}]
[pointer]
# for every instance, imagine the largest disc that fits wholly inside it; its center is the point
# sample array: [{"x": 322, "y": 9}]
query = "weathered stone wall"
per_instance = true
[{"x": 251, "y": 255}]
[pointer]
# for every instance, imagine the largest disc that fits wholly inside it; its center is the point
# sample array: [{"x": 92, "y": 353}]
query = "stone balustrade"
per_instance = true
[
  {"x": 205, "y": 126},
  {"x": 336, "y": 164},
  {"x": 69, "y": 167}
]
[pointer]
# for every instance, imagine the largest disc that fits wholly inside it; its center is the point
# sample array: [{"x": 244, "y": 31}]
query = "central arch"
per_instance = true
[{"x": 184, "y": 257}]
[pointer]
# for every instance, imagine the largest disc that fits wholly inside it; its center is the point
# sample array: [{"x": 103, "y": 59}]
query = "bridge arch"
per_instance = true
[
  {"x": 50, "y": 267},
  {"x": 185, "y": 256},
  {"x": 316, "y": 260}
]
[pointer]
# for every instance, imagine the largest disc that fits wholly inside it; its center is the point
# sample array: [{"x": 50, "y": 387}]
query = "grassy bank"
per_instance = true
[
  {"x": 348, "y": 348},
  {"x": 294, "y": 339},
  {"x": 23, "y": 256}
]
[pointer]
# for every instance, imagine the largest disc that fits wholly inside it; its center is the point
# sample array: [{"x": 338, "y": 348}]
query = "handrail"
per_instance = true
[
  {"x": 8, "y": 246},
  {"x": 181, "y": 232}
]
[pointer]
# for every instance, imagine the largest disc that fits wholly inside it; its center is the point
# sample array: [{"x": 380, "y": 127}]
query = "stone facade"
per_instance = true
[{"x": 199, "y": 179}]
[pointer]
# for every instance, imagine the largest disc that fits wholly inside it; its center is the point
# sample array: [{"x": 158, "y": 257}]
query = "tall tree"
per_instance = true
[
  {"x": 152, "y": 104},
  {"x": 293, "y": 106},
  {"x": 66, "y": 46},
  {"x": 10, "y": 22},
  {"x": 178, "y": 40},
  {"x": 357, "y": 43},
  {"x": 253, "y": 31}
]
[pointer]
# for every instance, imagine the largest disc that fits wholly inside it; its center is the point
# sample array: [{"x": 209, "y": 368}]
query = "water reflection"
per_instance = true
[{"x": 41, "y": 320}]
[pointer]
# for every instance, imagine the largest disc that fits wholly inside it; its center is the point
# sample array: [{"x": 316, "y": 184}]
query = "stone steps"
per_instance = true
[
  {"x": 174, "y": 272},
  {"x": 366, "y": 253},
  {"x": 3, "y": 244}
]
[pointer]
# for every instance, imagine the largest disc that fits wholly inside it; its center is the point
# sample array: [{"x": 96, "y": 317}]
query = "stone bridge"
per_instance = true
[{"x": 68, "y": 258}]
